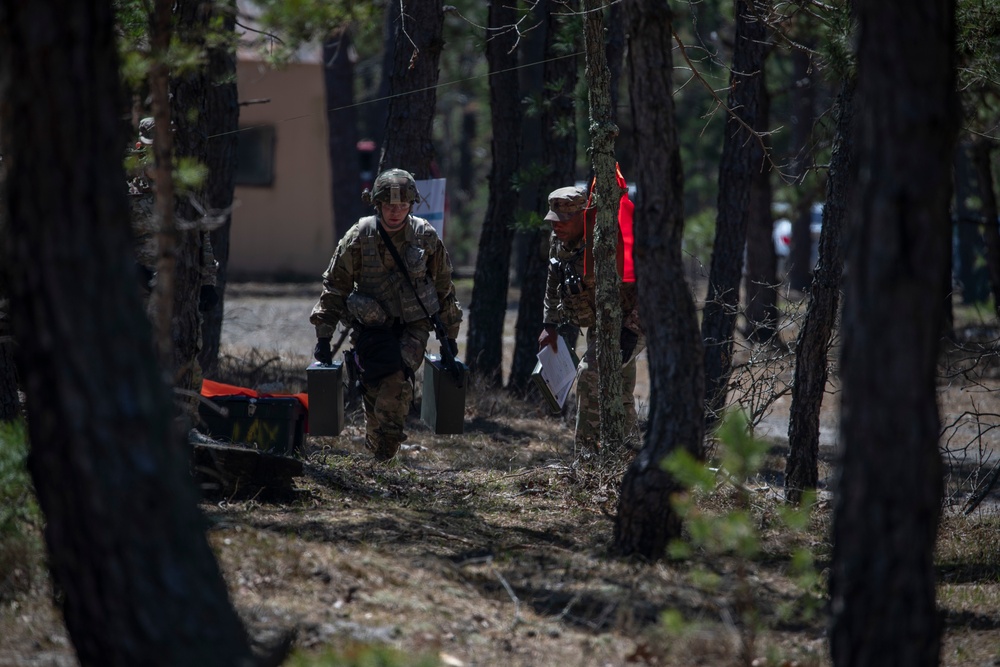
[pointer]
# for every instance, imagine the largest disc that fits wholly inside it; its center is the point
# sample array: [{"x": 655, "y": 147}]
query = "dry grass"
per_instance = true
[{"x": 495, "y": 548}]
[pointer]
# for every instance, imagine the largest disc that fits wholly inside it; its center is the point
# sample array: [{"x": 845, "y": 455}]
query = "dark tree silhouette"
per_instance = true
[
  {"x": 484, "y": 341},
  {"x": 811, "y": 371},
  {"x": 741, "y": 160},
  {"x": 646, "y": 522},
  {"x": 140, "y": 584},
  {"x": 760, "y": 281},
  {"x": 342, "y": 126},
  {"x": 221, "y": 124},
  {"x": 803, "y": 91},
  {"x": 606, "y": 194},
  {"x": 198, "y": 106},
  {"x": 560, "y": 72},
  {"x": 9, "y": 404},
  {"x": 413, "y": 78},
  {"x": 888, "y": 503},
  {"x": 991, "y": 232}
]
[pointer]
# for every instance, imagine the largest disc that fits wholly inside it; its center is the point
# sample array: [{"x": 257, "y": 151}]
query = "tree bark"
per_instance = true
[
  {"x": 484, "y": 342},
  {"x": 972, "y": 275},
  {"x": 531, "y": 79},
  {"x": 741, "y": 159},
  {"x": 888, "y": 505},
  {"x": 193, "y": 103},
  {"x": 760, "y": 281},
  {"x": 646, "y": 522},
  {"x": 811, "y": 351},
  {"x": 223, "y": 119},
  {"x": 606, "y": 195},
  {"x": 991, "y": 233},
  {"x": 803, "y": 114},
  {"x": 10, "y": 406},
  {"x": 140, "y": 584},
  {"x": 409, "y": 126},
  {"x": 342, "y": 126},
  {"x": 559, "y": 154}
]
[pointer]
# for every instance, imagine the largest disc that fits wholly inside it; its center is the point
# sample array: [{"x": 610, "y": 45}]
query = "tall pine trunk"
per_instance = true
[
  {"x": 127, "y": 549},
  {"x": 646, "y": 522},
  {"x": 342, "y": 127},
  {"x": 559, "y": 155},
  {"x": 606, "y": 195},
  {"x": 760, "y": 281},
  {"x": 811, "y": 351},
  {"x": 484, "y": 342},
  {"x": 888, "y": 505},
  {"x": 741, "y": 159},
  {"x": 409, "y": 126},
  {"x": 222, "y": 106}
]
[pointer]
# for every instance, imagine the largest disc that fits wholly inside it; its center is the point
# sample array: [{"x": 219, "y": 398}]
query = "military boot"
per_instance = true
[{"x": 384, "y": 447}]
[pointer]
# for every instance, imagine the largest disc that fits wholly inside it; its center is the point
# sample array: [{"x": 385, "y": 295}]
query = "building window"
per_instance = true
[{"x": 255, "y": 156}]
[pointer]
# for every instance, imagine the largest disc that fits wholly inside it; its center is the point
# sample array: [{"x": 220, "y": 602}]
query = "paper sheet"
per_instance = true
[{"x": 557, "y": 370}]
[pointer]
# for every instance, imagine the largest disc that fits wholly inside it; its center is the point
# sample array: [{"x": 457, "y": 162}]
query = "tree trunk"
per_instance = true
[
  {"x": 484, "y": 342},
  {"x": 741, "y": 159},
  {"x": 809, "y": 385},
  {"x": 374, "y": 120},
  {"x": 803, "y": 112},
  {"x": 606, "y": 195},
  {"x": 10, "y": 406},
  {"x": 409, "y": 126},
  {"x": 161, "y": 301},
  {"x": 222, "y": 104},
  {"x": 140, "y": 584},
  {"x": 886, "y": 514},
  {"x": 615, "y": 49},
  {"x": 646, "y": 522},
  {"x": 531, "y": 77},
  {"x": 991, "y": 234},
  {"x": 342, "y": 126},
  {"x": 559, "y": 155},
  {"x": 191, "y": 110},
  {"x": 760, "y": 282}
]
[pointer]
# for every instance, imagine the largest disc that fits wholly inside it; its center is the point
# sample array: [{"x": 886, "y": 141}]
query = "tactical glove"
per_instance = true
[
  {"x": 322, "y": 352},
  {"x": 207, "y": 298},
  {"x": 453, "y": 346},
  {"x": 629, "y": 339}
]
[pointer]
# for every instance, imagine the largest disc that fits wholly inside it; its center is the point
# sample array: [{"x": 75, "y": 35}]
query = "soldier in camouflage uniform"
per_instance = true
[
  {"x": 570, "y": 299},
  {"x": 364, "y": 288}
]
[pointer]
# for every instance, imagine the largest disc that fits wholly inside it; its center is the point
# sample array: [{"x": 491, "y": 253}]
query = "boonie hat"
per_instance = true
[{"x": 564, "y": 203}]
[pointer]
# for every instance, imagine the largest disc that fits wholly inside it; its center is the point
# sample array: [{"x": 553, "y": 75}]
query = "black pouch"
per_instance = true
[{"x": 378, "y": 354}]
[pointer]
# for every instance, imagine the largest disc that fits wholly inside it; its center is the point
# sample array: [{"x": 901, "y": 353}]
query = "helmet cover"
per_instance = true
[{"x": 395, "y": 186}]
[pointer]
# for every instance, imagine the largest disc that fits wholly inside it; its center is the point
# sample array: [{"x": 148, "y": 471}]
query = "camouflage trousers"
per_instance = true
[
  {"x": 388, "y": 401},
  {"x": 588, "y": 414}
]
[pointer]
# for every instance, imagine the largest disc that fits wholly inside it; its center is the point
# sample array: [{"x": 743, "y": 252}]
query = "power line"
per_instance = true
[{"x": 409, "y": 92}]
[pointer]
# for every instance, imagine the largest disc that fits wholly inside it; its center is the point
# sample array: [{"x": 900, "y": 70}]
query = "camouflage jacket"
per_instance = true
[
  {"x": 567, "y": 304},
  {"x": 361, "y": 263}
]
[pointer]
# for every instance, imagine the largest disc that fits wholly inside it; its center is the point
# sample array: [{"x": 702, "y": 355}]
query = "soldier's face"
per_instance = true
[
  {"x": 394, "y": 215},
  {"x": 569, "y": 230}
]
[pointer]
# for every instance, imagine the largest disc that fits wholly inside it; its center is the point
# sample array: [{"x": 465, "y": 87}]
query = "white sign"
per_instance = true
[{"x": 431, "y": 206}]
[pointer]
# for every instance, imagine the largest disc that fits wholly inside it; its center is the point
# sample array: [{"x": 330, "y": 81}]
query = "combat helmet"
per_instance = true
[{"x": 393, "y": 186}]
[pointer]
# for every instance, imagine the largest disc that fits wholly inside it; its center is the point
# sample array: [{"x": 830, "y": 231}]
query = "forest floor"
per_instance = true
[{"x": 495, "y": 547}]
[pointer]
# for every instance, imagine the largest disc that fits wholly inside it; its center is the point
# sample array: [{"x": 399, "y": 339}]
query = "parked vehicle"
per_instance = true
[{"x": 782, "y": 234}]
